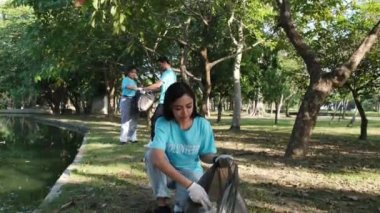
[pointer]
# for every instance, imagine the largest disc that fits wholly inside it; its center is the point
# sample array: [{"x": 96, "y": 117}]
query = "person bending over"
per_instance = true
[{"x": 182, "y": 140}]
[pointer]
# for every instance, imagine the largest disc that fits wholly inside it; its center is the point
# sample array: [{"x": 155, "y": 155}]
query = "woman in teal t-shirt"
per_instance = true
[
  {"x": 129, "y": 114},
  {"x": 182, "y": 140}
]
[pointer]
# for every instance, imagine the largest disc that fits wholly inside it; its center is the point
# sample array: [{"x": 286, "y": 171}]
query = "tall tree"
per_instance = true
[{"x": 321, "y": 84}]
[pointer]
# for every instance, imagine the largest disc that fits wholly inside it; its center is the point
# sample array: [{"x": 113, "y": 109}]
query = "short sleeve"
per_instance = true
[
  {"x": 160, "y": 134},
  {"x": 164, "y": 77},
  {"x": 208, "y": 142},
  {"x": 124, "y": 83}
]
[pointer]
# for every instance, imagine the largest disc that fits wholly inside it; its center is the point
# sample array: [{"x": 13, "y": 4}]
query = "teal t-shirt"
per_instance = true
[
  {"x": 124, "y": 90},
  {"x": 183, "y": 147},
  {"x": 168, "y": 78}
]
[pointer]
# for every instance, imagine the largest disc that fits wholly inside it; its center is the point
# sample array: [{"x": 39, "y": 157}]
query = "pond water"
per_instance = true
[{"x": 32, "y": 157}]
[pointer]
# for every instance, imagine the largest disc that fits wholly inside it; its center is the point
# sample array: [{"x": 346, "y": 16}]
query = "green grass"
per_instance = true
[{"x": 340, "y": 173}]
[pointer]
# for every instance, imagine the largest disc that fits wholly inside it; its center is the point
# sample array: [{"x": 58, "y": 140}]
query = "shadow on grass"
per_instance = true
[
  {"x": 292, "y": 199},
  {"x": 327, "y": 153},
  {"x": 121, "y": 193}
]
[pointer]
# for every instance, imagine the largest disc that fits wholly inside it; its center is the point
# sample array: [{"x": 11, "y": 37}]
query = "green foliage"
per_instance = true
[
  {"x": 71, "y": 56},
  {"x": 346, "y": 34},
  {"x": 16, "y": 57},
  {"x": 79, "y": 50},
  {"x": 274, "y": 78}
]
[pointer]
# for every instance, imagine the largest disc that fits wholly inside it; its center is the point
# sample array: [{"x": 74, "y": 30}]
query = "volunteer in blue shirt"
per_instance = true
[
  {"x": 129, "y": 114},
  {"x": 182, "y": 140},
  {"x": 167, "y": 78}
]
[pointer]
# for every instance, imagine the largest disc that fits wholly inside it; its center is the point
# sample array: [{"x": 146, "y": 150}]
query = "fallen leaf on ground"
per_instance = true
[{"x": 68, "y": 204}]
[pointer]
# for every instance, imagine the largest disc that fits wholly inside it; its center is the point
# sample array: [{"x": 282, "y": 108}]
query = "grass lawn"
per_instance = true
[{"x": 341, "y": 174}]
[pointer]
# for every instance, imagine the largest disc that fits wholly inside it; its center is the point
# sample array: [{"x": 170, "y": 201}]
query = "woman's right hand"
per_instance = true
[{"x": 198, "y": 195}]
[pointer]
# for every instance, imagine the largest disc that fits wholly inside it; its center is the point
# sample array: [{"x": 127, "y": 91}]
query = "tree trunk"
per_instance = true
[
  {"x": 335, "y": 110},
  {"x": 57, "y": 97},
  {"x": 109, "y": 77},
  {"x": 207, "y": 84},
  {"x": 182, "y": 66},
  {"x": 344, "y": 109},
  {"x": 278, "y": 105},
  {"x": 321, "y": 85},
  {"x": 271, "y": 109},
  {"x": 255, "y": 107},
  {"x": 278, "y": 110},
  {"x": 305, "y": 121},
  {"x": 239, "y": 43},
  {"x": 276, "y": 115},
  {"x": 237, "y": 92},
  {"x": 111, "y": 101},
  {"x": 353, "y": 118},
  {"x": 75, "y": 100},
  {"x": 184, "y": 51},
  {"x": 364, "y": 121},
  {"x": 287, "y": 110},
  {"x": 220, "y": 107}
]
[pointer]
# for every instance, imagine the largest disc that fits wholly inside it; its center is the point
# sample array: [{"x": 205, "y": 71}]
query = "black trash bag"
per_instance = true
[
  {"x": 221, "y": 183},
  {"x": 134, "y": 109}
]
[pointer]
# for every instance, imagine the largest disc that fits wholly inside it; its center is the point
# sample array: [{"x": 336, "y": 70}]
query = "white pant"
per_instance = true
[{"x": 129, "y": 117}]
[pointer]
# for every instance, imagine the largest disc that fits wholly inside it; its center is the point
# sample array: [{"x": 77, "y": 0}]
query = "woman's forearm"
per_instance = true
[{"x": 162, "y": 164}]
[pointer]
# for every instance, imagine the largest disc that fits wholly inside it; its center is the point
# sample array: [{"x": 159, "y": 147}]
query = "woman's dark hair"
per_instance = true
[
  {"x": 174, "y": 92},
  {"x": 130, "y": 69}
]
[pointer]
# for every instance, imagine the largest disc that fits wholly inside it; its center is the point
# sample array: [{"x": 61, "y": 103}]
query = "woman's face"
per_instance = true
[
  {"x": 183, "y": 108},
  {"x": 132, "y": 74}
]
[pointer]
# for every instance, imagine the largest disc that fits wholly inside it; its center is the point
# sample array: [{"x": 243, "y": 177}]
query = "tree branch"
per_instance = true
[
  {"x": 341, "y": 75},
  {"x": 230, "y": 20},
  {"x": 204, "y": 20},
  {"x": 307, "y": 54},
  {"x": 187, "y": 73},
  {"x": 235, "y": 54}
]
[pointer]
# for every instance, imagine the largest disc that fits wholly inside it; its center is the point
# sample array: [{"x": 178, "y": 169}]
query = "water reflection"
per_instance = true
[{"x": 32, "y": 157}]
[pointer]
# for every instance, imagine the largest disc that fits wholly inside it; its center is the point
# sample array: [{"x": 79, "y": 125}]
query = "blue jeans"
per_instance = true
[{"x": 161, "y": 183}]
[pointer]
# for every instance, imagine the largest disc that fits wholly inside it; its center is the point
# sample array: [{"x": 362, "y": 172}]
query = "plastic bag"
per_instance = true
[
  {"x": 145, "y": 101},
  {"x": 221, "y": 183}
]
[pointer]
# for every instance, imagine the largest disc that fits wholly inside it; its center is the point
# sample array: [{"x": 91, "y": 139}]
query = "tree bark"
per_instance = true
[
  {"x": 287, "y": 110},
  {"x": 207, "y": 83},
  {"x": 235, "y": 125},
  {"x": 110, "y": 78},
  {"x": 363, "y": 117},
  {"x": 320, "y": 85},
  {"x": 220, "y": 108},
  {"x": 278, "y": 105},
  {"x": 183, "y": 52},
  {"x": 353, "y": 118},
  {"x": 344, "y": 109},
  {"x": 276, "y": 115}
]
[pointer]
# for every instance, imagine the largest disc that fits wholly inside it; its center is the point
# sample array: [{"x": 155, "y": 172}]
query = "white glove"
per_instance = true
[
  {"x": 198, "y": 195},
  {"x": 141, "y": 90}
]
